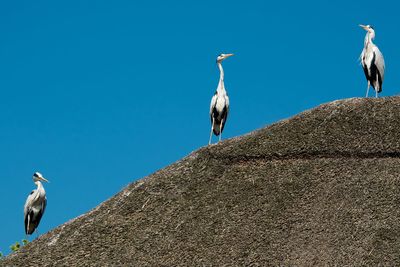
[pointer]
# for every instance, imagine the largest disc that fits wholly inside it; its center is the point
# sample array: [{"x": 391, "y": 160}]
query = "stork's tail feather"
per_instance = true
[
  {"x": 378, "y": 88},
  {"x": 216, "y": 130}
]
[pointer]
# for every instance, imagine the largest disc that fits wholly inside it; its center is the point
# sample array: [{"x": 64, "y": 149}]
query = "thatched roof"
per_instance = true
[{"x": 321, "y": 188}]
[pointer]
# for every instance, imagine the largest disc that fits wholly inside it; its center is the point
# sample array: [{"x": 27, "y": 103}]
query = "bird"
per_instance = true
[
  {"x": 35, "y": 205},
  {"x": 372, "y": 61},
  {"x": 219, "y": 106}
]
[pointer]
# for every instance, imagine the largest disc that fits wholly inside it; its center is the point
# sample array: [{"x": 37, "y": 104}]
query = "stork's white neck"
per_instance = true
[
  {"x": 40, "y": 188},
  {"x": 368, "y": 38},
  {"x": 221, "y": 71},
  {"x": 221, "y": 86}
]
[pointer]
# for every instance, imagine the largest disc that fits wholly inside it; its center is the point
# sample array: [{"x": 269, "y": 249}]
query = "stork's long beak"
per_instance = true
[
  {"x": 228, "y": 55},
  {"x": 364, "y": 27},
  {"x": 44, "y": 179}
]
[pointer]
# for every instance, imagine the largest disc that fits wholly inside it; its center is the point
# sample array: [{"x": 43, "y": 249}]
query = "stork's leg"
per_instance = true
[
  {"x": 220, "y": 130},
  {"x": 376, "y": 93},
  {"x": 212, "y": 128},
  {"x": 368, "y": 89}
]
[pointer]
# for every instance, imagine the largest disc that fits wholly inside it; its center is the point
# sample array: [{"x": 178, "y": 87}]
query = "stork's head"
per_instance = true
[
  {"x": 37, "y": 176},
  {"x": 221, "y": 57},
  {"x": 369, "y": 29}
]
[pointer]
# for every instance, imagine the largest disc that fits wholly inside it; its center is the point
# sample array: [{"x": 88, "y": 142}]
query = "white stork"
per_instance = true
[
  {"x": 35, "y": 205},
  {"x": 219, "y": 107},
  {"x": 372, "y": 61}
]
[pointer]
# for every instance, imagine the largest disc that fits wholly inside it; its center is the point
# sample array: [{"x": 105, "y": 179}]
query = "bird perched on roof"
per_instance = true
[
  {"x": 372, "y": 61},
  {"x": 219, "y": 107},
  {"x": 35, "y": 204}
]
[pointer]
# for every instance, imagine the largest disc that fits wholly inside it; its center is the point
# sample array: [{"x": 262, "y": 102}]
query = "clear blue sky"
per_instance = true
[{"x": 98, "y": 94}]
